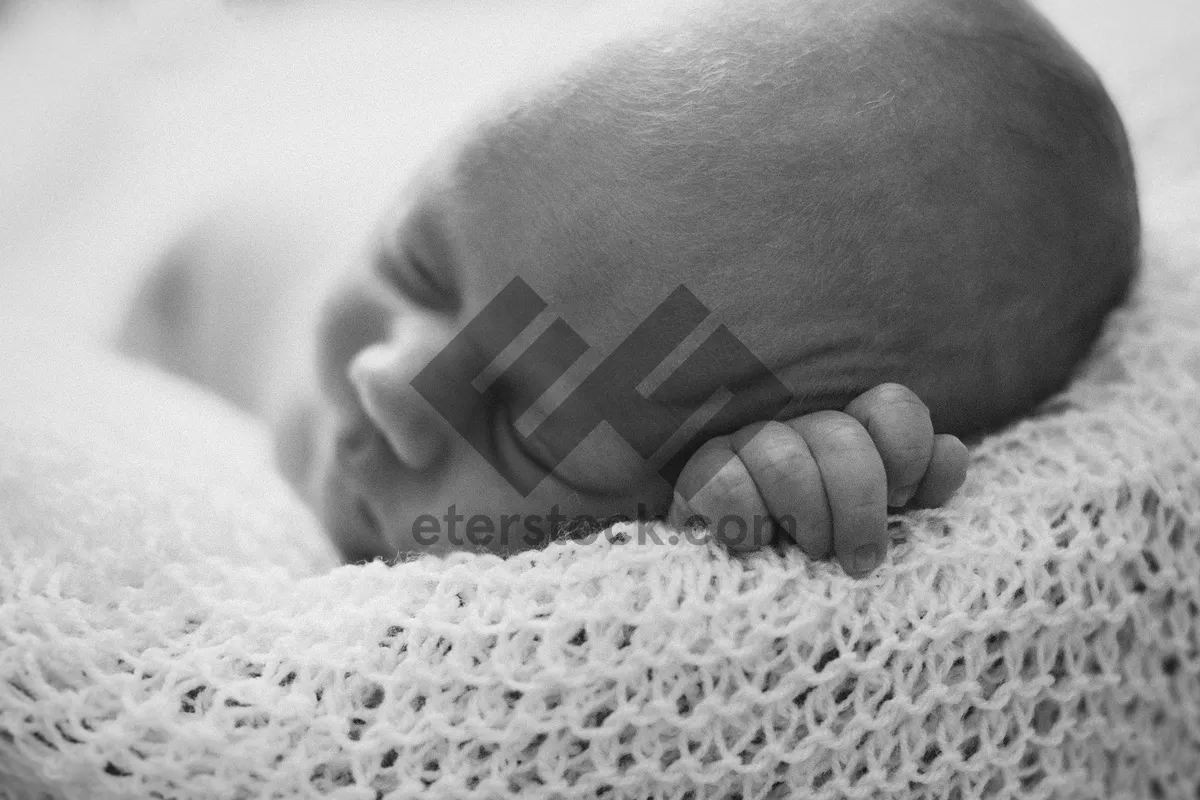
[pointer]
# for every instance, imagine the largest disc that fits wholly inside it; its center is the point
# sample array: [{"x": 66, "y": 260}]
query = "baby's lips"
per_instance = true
[
  {"x": 367, "y": 460},
  {"x": 381, "y": 380}
]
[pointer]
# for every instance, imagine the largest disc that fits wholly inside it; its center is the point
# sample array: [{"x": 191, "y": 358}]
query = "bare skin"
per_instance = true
[{"x": 774, "y": 159}]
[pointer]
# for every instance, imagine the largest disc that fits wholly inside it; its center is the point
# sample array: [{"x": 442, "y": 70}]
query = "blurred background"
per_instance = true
[{"x": 123, "y": 122}]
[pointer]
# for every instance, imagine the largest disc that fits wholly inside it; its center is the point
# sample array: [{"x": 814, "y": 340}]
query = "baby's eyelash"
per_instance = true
[
  {"x": 419, "y": 268},
  {"x": 412, "y": 277}
]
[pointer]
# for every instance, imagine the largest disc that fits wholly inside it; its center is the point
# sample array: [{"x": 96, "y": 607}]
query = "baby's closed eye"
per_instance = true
[{"x": 416, "y": 260}]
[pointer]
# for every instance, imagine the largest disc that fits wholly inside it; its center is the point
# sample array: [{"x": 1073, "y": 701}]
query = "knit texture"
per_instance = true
[{"x": 179, "y": 634}]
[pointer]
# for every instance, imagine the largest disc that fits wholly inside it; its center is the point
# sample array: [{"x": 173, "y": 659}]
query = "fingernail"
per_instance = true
[
  {"x": 867, "y": 558},
  {"x": 899, "y": 497}
]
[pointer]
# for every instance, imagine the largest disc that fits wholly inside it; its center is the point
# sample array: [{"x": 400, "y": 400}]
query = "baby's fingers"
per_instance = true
[
  {"x": 789, "y": 482},
  {"x": 855, "y": 486},
  {"x": 715, "y": 485},
  {"x": 902, "y": 431}
]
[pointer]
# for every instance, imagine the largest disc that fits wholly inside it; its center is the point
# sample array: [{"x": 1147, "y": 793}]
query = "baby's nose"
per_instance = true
[{"x": 382, "y": 377}]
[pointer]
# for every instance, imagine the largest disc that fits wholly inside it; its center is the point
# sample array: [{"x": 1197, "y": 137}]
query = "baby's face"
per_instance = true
[
  {"x": 602, "y": 208},
  {"x": 400, "y": 464},
  {"x": 392, "y": 472}
]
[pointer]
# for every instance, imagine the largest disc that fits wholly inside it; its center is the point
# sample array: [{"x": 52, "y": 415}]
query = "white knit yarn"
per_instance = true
[{"x": 1038, "y": 637}]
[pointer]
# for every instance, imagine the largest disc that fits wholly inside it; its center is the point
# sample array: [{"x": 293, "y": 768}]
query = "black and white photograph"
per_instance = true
[{"x": 600, "y": 399}]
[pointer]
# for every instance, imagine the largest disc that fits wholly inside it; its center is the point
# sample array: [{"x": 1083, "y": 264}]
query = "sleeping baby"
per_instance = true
[{"x": 734, "y": 271}]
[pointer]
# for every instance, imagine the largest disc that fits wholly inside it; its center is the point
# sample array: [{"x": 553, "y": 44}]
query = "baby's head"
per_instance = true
[{"x": 936, "y": 193}]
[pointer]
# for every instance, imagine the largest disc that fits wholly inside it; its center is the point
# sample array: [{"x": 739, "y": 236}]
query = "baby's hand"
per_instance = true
[{"x": 826, "y": 478}]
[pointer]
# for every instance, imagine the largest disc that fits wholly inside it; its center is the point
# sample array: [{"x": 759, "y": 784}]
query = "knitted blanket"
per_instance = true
[
  {"x": 171, "y": 627},
  {"x": 174, "y": 625}
]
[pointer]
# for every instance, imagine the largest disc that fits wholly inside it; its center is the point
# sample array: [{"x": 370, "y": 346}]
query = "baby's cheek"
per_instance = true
[{"x": 353, "y": 318}]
